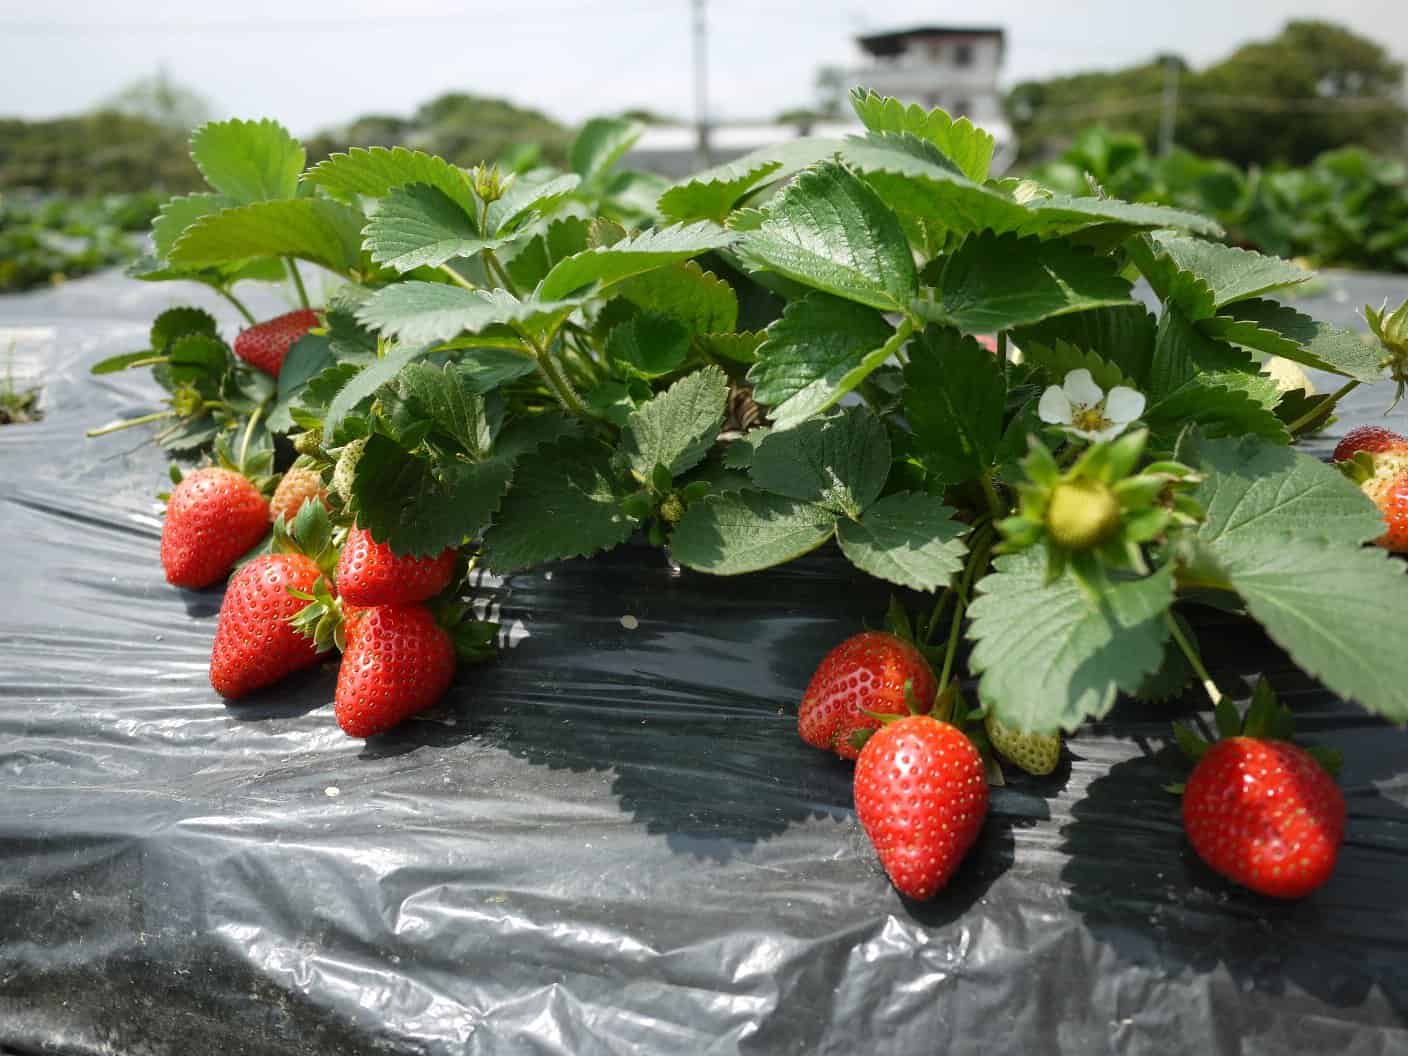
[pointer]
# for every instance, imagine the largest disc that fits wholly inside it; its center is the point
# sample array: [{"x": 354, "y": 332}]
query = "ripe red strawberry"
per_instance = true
[
  {"x": 255, "y": 644},
  {"x": 1371, "y": 438},
  {"x": 1266, "y": 815},
  {"x": 264, "y": 345},
  {"x": 398, "y": 661},
  {"x": 298, "y": 486},
  {"x": 369, "y": 573},
  {"x": 921, "y": 795},
  {"x": 213, "y": 518},
  {"x": 1390, "y": 495},
  {"x": 866, "y": 672}
]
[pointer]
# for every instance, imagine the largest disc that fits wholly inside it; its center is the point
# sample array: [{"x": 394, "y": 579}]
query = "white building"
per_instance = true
[
  {"x": 944, "y": 66},
  {"x": 949, "y": 67}
]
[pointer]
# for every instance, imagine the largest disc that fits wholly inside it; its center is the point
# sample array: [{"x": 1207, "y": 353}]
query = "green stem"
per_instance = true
[
  {"x": 1002, "y": 351},
  {"x": 1194, "y": 660},
  {"x": 557, "y": 381},
  {"x": 977, "y": 558},
  {"x": 297, "y": 282},
  {"x": 491, "y": 262},
  {"x": 457, "y": 278},
  {"x": 935, "y": 615},
  {"x": 995, "y": 503},
  {"x": 1323, "y": 409},
  {"x": 129, "y": 423},
  {"x": 239, "y": 305},
  {"x": 248, "y": 433}
]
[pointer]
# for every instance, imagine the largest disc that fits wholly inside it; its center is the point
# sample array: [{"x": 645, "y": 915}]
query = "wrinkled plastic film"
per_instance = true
[{"x": 611, "y": 840}]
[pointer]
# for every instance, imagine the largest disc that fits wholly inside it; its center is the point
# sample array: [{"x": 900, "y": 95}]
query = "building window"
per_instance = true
[{"x": 963, "y": 55}]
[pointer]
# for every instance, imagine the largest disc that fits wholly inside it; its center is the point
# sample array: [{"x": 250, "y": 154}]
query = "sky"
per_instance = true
[{"x": 318, "y": 63}]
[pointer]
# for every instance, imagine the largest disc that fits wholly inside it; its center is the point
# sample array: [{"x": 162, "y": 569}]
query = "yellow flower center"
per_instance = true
[{"x": 1090, "y": 419}]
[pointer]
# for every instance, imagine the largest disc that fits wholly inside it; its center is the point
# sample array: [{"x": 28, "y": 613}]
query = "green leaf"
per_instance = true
[
  {"x": 249, "y": 161},
  {"x": 1182, "y": 350},
  {"x": 1254, "y": 489},
  {"x": 178, "y": 322},
  {"x": 699, "y": 299},
  {"x": 1282, "y": 331},
  {"x": 830, "y": 231},
  {"x": 373, "y": 172},
  {"x": 533, "y": 193},
  {"x": 906, "y": 538},
  {"x": 1230, "y": 274},
  {"x": 362, "y": 385},
  {"x": 713, "y": 193},
  {"x": 821, "y": 349},
  {"x": 1063, "y": 215},
  {"x": 677, "y": 427},
  {"x": 1328, "y": 606},
  {"x": 420, "y": 226},
  {"x": 422, "y": 506},
  {"x": 307, "y": 357},
  {"x": 445, "y": 402},
  {"x": 839, "y": 462},
  {"x": 639, "y": 253},
  {"x": 601, "y": 144},
  {"x": 741, "y": 347},
  {"x": 954, "y": 398},
  {"x": 968, "y": 147},
  {"x": 199, "y": 352},
  {"x": 530, "y": 262},
  {"x": 113, "y": 364},
  {"x": 735, "y": 532},
  {"x": 565, "y": 502},
  {"x": 1122, "y": 336},
  {"x": 311, "y": 229},
  {"x": 179, "y": 213},
  {"x": 485, "y": 369},
  {"x": 649, "y": 345},
  {"x": 1058, "y": 360},
  {"x": 997, "y": 282},
  {"x": 928, "y": 191},
  {"x": 428, "y": 312},
  {"x": 1220, "y": 409},
  {"x": 1050, "y": 655}
]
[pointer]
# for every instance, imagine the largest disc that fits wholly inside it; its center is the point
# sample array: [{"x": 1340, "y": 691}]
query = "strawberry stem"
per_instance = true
[
  {"x": 457, "y": 278},
  {"x": 239, "y": 305},
  {"x": 1194, "y": 660},
  {"x": 977, "y": 558},
  {"x": 128, "y": 423},
  {"x": 1322, "y": 409},
  {"x": 248, "y": 432},
  {"x": 297, "y": 282}
]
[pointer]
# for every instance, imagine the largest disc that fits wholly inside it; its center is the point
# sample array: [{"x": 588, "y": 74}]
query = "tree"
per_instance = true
[
  {"x": 162, "y": 101},
  {"x": 1313, "y": 87}
]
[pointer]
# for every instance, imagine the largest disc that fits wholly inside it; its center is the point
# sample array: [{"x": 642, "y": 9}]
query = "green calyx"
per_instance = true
[
  {"x": 1265, "y": 718},
  {"x": 310, "y": 534},
  {"x": 1105, "y": 503},
  {"x": 1391, "y": 328}
]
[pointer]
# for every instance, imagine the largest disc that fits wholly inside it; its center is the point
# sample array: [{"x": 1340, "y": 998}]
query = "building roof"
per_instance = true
[{"x": 892, "y": 41}]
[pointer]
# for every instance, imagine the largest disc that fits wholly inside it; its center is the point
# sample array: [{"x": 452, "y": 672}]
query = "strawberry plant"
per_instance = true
[{"x": 865, "y": 343}]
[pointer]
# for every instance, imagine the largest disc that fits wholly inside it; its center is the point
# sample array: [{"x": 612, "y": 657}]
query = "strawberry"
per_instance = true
[
  {"x": 1036, "y": 753},
  {"x": 213, "y": 517},
  {"x": 369, "y": 573},
  {"x": 921, "y": 796},
  {"x": 1390, "y": 495},
  {"x": 299, "y": 485},
  {"x": 398, "y": 661},
  {"x": 1264, "y": 814},
  {"x": 265, "y": 344},
  {"x": 256, "y": 644},
  {"x": 866, "y": 672},
  {"x": 1371, "y": 438}
]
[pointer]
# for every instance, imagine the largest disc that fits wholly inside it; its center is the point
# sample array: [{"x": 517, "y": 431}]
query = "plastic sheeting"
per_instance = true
[{"x": 609, "y": 841}]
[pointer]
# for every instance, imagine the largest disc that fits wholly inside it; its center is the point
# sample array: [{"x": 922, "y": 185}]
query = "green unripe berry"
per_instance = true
[
  {"x": 346, "y": 469},
  {"x": 672, "y": 509},
  {"x": 1082, "y": 514}
]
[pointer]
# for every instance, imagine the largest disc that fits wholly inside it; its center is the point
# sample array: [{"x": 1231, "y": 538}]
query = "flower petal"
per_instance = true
[
  {"x": 1108, "y": 433},
  {"x": 1124, "y": 404},
  {"x": 1081, "y": 388},
  {"x": 1054, "y": 408}
]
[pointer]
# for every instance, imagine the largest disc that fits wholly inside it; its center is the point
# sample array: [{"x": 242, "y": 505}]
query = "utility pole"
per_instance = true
[
  {"x": 701, "y": 84},
  {"x": 1169, "y": 111}
]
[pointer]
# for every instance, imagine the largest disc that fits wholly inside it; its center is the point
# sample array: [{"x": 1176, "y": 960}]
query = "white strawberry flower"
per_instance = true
[{"x": 1085, "y": 409}]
